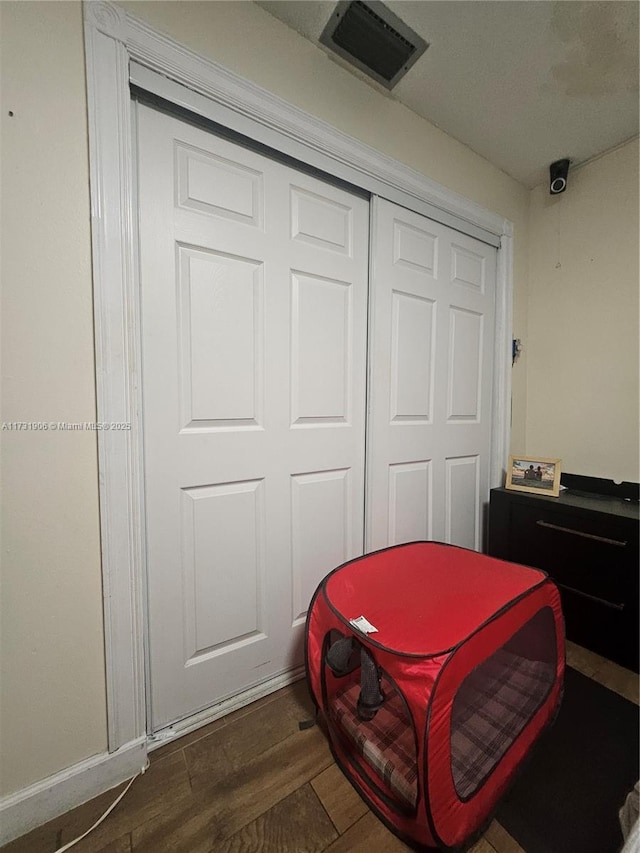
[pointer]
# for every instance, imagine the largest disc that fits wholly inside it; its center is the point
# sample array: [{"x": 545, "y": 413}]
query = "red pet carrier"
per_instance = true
[{"x": 435, "y": 670}]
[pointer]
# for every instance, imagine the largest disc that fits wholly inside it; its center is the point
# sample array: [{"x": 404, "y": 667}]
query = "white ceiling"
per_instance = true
[{"x": 521, "y": 83}]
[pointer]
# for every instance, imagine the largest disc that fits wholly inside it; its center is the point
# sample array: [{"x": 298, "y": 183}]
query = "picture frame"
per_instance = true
[{"x": 537, "y": 475}]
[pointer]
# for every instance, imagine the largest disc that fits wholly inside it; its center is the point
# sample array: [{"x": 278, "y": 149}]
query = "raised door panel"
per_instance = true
[
  {"x": 223, "y": 535},
  {"x": 415, "y": 248},
  {"x": 218, "y": 186},
  {"x": 221, "y": 323},
  {"x": 465, "y": 365},
  {"x": 321, "y": 221},
  {"x": 468, "y": 268},
  {"x": 462, "y": 501},
  {"x": 320, "y": 350},
  {"x": 412, "y": 358},
  {"x": 410, "y": 502},
  {"x": 322, "y": 533}
]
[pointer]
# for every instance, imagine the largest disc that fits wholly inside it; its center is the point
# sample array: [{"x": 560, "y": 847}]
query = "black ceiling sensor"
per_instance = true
[
  {"x": 373, "y": 39},
  {"x": 558, "y": 172}
]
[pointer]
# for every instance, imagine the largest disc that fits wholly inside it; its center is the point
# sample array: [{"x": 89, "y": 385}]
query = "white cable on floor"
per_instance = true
[{"x": 105, "y": 815}]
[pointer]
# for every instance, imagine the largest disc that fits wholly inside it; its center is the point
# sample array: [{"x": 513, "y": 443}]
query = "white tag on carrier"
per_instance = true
[{"x": 363, "y": 625}]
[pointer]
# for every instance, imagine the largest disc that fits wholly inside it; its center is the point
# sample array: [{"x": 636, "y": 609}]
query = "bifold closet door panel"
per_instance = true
[
  {"x": 254, "y": 315},
  {"x": 431, "y": 364}
]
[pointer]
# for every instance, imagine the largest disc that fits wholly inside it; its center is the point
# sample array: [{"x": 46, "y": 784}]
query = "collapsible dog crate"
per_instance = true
[{"x": 435, "y": 669}]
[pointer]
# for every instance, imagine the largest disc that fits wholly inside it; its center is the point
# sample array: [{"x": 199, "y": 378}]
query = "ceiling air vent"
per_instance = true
[{"x": 373, "y": 39}]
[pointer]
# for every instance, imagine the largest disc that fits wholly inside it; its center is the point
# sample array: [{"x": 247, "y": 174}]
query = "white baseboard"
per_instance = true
[{"x": 57, "y": 794}]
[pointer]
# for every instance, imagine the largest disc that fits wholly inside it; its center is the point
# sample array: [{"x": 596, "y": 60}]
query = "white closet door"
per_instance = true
[
  {"x": 431, "y": 351},
  {"x": 254, "y": 305}
]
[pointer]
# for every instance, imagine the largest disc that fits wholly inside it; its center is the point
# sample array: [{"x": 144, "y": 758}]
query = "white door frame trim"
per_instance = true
[{"x": 113, "y": 39}]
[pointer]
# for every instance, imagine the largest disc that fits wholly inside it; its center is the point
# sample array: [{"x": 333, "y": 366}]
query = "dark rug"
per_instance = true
[{"x": 567, "y": 796}]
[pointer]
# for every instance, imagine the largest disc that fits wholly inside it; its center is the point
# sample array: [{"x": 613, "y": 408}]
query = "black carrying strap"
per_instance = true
[
  {"x": 341, "y": 660},
  {"x": 340, "y": 657},
  {"x": 308, "y": 724},
  {"x": 371, "y": 696}
]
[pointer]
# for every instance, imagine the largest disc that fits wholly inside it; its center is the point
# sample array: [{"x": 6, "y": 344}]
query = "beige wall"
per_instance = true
[
  {"x": 53, "y": 700},
  {"x": 582, "y": 339},
  {"x": 52, "y": 711}
]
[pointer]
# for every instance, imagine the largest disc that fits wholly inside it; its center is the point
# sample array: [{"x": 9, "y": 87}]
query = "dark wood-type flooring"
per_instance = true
[{"x": 253, "y": 783}]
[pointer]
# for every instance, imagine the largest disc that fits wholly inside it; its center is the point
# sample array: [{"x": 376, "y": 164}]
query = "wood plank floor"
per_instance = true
[{"x": 253, "y": 783}]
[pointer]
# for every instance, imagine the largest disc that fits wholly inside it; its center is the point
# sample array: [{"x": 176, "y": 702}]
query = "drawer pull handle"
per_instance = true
[
  {"x": 604, "y": 539},
  {"x": 592, "y": 597}
]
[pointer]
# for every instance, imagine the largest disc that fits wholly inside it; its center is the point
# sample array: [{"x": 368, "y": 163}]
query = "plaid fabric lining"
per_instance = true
[
  {"x": 491, "y": 708},
  {"x": 386, "y": 743}
]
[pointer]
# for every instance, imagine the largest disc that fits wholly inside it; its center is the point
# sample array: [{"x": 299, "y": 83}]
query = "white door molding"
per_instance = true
[
  {"x": 114, "y": 287},
  {"x": 114, "y": 40}
]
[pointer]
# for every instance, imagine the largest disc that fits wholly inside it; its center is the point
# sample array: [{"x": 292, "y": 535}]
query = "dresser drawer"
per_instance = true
[
  {"x": 609, "y": 632},
  {"x": 588, "y": 554},
  {"x": 589, "y": 546}
]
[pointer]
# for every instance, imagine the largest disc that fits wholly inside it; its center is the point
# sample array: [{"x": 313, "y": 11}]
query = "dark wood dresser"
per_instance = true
[{"x": 587, "y": 540}]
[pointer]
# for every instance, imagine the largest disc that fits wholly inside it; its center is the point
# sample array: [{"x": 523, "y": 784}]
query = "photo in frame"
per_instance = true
[{"x": 535, "y": 474}]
